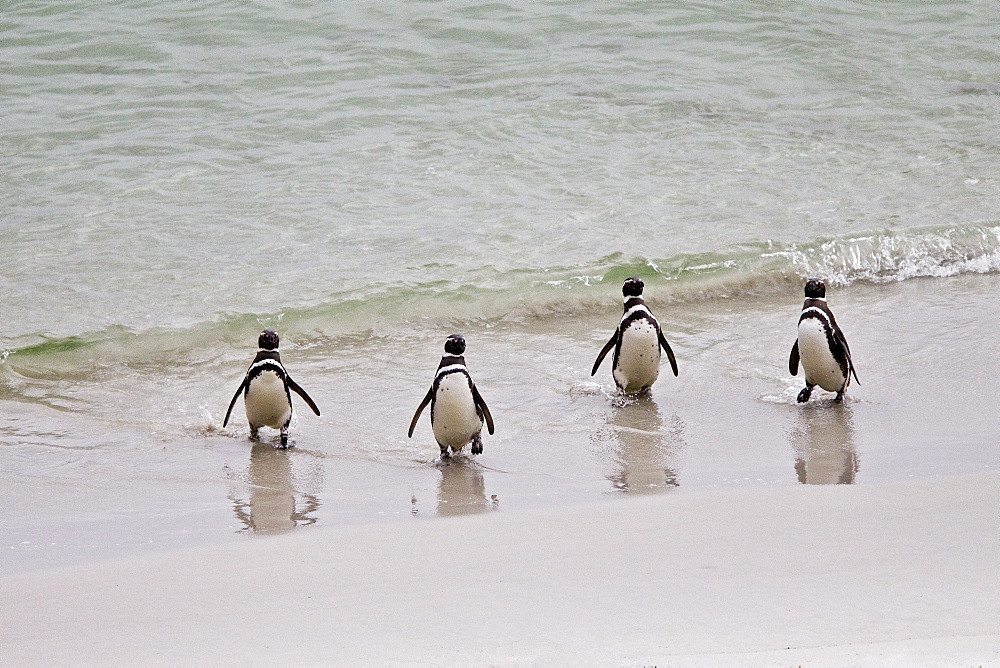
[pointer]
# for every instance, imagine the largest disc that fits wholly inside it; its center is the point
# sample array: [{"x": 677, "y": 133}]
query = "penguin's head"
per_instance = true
[
  {"x": 268, "y": 340},
  {"x": 632, "y": 287},
  {"x": 455, "y": 345},
  {"x": 815, "y": 289}
]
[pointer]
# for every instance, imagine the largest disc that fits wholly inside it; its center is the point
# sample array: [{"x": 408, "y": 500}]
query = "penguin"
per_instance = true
[
  {"x": 266, "y": 391},
  {"x": 821, "y": 347},
  {"x": 637, "y": 343},
  {"x": 457, "y": 408}
]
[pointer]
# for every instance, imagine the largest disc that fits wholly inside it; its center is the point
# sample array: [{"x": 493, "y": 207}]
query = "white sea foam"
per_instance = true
[{"x": 889, "y": 257}]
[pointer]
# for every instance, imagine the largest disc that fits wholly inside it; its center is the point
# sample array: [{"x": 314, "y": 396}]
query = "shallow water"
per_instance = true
[{"x": 368, "y": 180}]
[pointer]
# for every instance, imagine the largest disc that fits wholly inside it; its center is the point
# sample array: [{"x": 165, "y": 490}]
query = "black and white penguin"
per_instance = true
[
  {"x": 266, "y": 391},
  {"x": 457, "y": 408},
  {"x": 637, "y": 343},
  {"x": 821, "y": 346}
]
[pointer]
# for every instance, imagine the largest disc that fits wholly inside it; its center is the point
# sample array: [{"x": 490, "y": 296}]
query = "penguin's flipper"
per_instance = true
[
  {"x": 847, "y": 354},
  {"x": 668, "y": 351},
  {"x": 294, "y": 387},
  {"x": 604, "y": 352},
  {"x": 420, "y": 409},
  {"x": 841, "y": 340},
  {"x": 793, "y": 359},
  {"x": 232, "y": 403},
  {"x": 478, "y": 398}
]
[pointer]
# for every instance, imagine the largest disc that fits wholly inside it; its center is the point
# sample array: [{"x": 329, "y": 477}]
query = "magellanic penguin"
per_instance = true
[
  {"x": 266, "y": 391},
  {"x": 457, "y": 408},
  {"x": 821, "y": 346},
  {"x": 637, "y": 343}
]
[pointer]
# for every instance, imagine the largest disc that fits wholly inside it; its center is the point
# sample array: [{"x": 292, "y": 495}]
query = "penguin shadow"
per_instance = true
[
  {"x": 273, "y": 504},
  {"x": 643, "y": 452},
  {"x": 461, "y": 489},
  {"x": 823, "y": 444}
]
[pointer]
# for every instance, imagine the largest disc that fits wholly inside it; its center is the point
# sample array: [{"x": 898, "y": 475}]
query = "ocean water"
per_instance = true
[{"x": 367, "y": 179}]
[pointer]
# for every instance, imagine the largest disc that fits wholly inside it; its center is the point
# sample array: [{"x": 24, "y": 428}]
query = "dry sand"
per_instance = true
[{"x": 891, "y": 574}]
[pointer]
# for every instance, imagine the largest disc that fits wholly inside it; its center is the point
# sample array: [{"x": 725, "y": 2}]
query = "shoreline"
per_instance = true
[
  {"x": 880, "y": 573},
  {"x": 88, "y": 484}
]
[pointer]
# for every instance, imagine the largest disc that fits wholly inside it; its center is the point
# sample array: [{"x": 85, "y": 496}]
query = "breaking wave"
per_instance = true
[{"x": 759, "y": 269}]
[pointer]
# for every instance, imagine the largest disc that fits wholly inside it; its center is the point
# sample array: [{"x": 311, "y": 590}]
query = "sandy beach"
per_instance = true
[{"x": 890, "y": 574}]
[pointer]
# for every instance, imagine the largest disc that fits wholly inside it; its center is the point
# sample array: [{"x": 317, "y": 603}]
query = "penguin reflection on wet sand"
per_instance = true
[
  {"x": 266, "y": 391},
  {"x": 823, "y": 443},
  {"x": 821, "y": 347},
  {"x": 637, "y": 343},
  {"x": 457, "y": 408}
]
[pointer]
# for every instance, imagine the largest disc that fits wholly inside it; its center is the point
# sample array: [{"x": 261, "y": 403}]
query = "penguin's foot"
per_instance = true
[
  {"x": 804, "y": 394},
  {"x": 445, "y": 454},
  {"x": 477, "y": 445},
  {"x": 284, "y": 437},
  {"x": 254, "y": 433},
  {"x": 839, "y": 398}
]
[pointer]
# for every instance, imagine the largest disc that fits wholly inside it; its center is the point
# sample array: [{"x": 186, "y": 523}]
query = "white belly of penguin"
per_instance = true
[
  {"x": 454, "y": 419},
  {"x": 267, "y": 401},
  {"x": 817, "y": 361},
  {"x": 639, "y": 357}
]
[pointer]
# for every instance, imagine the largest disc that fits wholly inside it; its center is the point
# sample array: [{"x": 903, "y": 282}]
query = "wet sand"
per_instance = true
[{"x": 886, "y": 574}]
